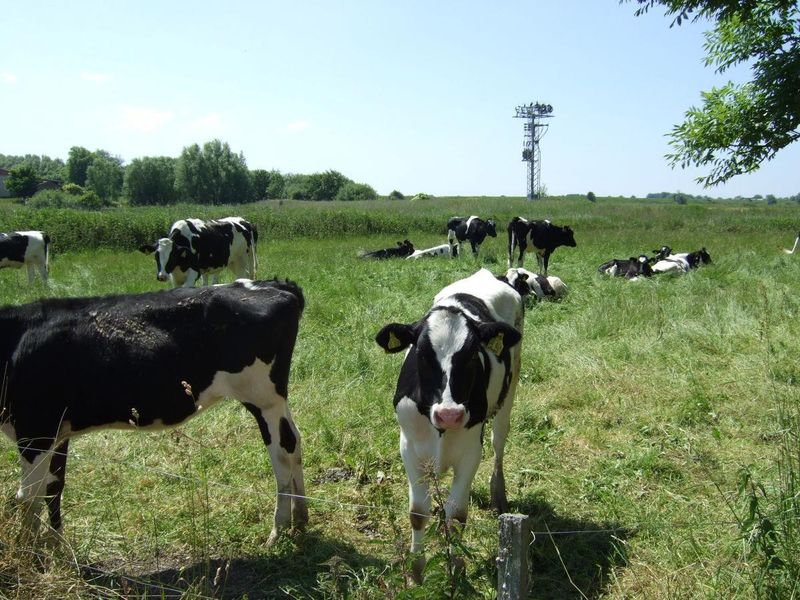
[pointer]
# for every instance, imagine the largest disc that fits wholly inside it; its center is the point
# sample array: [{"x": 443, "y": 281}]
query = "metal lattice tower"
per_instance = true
[{"x": 534, "y": 131}]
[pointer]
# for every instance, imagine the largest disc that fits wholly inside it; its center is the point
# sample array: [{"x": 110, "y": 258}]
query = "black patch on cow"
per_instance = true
[
  {"x": 13, "y": 247},
  {"x": 263, "y": 426},
  {"x": 288, "y": 439}
]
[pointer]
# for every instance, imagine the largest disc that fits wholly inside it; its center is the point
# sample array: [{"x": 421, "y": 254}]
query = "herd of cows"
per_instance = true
[{"x": 199, "y": 345}]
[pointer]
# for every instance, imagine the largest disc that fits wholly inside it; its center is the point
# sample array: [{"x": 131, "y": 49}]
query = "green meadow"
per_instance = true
[{"x": 654, "y": 438}]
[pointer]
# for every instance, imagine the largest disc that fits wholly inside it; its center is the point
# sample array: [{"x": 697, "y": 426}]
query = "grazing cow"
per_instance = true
[
  {"x": 538, "y": 286},
  {"x": 30, "y": 249},
  {"x": 796, "y": 242},
  {"x": 474, "y": 229},
  {"x": 460, "y": 370},
  {"x": 631, "y": 268},
  {"x": 404, "y": 248},
  {"x": 543, "y": 237},
  {"x": 682, "y": 262},
  {"x": 148, "y": 361},
  {"x": 439, "y": 250},
  {"x": 196, "y": 248}
]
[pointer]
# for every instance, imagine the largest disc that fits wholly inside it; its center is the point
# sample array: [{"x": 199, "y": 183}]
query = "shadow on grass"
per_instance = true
[
  {"x": 576, "y": 555},
  {"x": 294, "y": 565}
]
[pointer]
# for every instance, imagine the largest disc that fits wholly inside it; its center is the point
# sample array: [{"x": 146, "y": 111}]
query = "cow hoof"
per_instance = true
[
  {"x": 417, "y": 570},
  {"x": 274, "y": 536}
]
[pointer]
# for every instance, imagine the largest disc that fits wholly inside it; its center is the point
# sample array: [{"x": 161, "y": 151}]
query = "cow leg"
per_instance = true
[
  {"x": 58, "y": 469},
  {"x": 35, "y": 458},
  {"x": 451, "y": 239},
  {"x": 418, "y": 470},
  {"x": 545, "y": 261},
  {"x": 475, "y": 247},
  {"x": 500, "y": 427},
  {"x": 285, "y": 456},
  {"x": 464, "y": 470},
  {"x": 31, "y": 272},
  {"x": 521, "y": 259},
  {"x": 43, "y": 272}
]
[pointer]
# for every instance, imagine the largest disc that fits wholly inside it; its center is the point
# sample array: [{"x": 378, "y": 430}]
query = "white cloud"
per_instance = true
[
  {"x": 298, "y": 126},
  {"x": 95, "y": 77},
  {"x": 143, "y": 119},
  {"x": 8, "y": 78}
]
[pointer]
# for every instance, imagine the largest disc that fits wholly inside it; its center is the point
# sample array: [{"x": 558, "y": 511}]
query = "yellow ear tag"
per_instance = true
[
  {"x": 496, "y": 344},
  {"x": 393, "y": 341}
]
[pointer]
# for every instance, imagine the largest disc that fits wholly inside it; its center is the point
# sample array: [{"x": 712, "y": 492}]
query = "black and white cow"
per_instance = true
[
  {"x": 630, "y": 268},
  {"x": 148, "y": 361},
  {"x": 461, "y": 369},
  {"x": 537, "y": 286},
  {"x": 30, "y": 249},
  {"x": 196, "y": 248},
  {"x": 439, "y": 250},
  {"x": 474, "y": 229},
  {"x": 541, "y": 237},
  {"x": 404, "y": 249},
  {"x": 796, "y": 242},
  {"x": 682, "y": 262}
]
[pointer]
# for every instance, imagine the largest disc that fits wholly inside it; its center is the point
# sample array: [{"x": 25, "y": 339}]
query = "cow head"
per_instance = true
[
  {"x": 517, "y": 280},
  {"x": 491, "y": 228},
  {"x": 568, "y": 237},
  {"x": 451, "y": 351},
  {"x": 661, "y": 253},
  {"x": 169, "y": 256},
  {"x": 406, "y": 248},
  {"x": 639, "y": 267},
  {"x": 701, "y": 257}
]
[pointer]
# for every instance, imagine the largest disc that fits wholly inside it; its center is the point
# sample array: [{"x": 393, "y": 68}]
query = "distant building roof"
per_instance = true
[{"x": 4, "y": 172}]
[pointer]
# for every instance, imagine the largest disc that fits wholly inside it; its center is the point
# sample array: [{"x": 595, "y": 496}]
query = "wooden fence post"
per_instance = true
[{"x": 512, "y": 557}]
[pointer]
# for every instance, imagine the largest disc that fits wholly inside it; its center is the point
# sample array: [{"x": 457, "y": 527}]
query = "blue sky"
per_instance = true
[{"x": 414, "y": 96}]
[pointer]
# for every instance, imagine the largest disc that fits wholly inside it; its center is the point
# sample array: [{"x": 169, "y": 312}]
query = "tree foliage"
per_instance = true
[
  {"x": 355, "y": 191},
  {"x": 151, "y": 181},
  {"x": 739, "y": 127},
  {"x": 78, "y": 162},
  {"x": 212, "y": 174},
  {"x": 104, "y": 178},
  {"x": 22, "y": 181},
  {"x": 44, "y": 166}
]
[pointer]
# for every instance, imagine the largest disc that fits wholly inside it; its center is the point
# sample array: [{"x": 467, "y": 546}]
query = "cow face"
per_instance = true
[
  {"x": 661, "y": 253},
  {"x": 452, "y": 355},
  {"x": 406, "y": 248},
  {"x": 491, "y": 228},
  {"x": 169, "y": 256},
  {"x": 568, "y": 237},
  {"x": 704, "y": 256}
]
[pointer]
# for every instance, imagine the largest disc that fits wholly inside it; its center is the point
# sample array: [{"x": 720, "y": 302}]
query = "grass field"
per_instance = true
[{"x": 639, "y": 406}]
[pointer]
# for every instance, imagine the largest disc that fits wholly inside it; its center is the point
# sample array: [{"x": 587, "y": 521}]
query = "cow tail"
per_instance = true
[
  {"x": 254, "y": 261},
  {"x": 511, "y": 240}
]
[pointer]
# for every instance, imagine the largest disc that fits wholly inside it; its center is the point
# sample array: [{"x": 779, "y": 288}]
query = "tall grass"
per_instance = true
[{"x": 639, "y": 405}]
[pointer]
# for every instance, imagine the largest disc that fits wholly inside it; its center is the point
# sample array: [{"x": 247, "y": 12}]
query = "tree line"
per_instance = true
[{"x": 208, "y": 174}]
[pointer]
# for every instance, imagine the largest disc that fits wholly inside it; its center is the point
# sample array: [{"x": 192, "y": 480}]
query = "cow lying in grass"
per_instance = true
[
  {"x": 631, "y": 268},
  {"x": 29, "y": 249},
  {"x": 535, "y": 285},
  {"x": 460, "y": 370},
  {"x": 682, "y": 262},
  {"x": 404, "y": 249},
  {"x": 440, "y": 250},
  {"x": 148, "y": 361}
]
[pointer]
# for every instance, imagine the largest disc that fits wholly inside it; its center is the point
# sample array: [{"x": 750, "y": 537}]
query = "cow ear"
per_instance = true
[
  {"x": 395, "y": 337},
  {"x": 147, "y": 248},
  {"x": 498, "y": 337}
]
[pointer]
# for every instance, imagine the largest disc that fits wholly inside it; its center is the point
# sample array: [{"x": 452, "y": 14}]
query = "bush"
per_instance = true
[
  {"x": 52, "y": 199},
  {"x": 356, "y": 191},
  {"x": 395, "y": 195},
  {"x": 421, "y": 196},
  {"x": 591, "y": 197},
  {"x": 73, "y": 189},
  {"x": 89, "y": 200}
]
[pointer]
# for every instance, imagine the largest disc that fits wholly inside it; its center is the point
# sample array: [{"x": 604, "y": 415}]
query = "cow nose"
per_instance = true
[{"x": 449, "y": 418}]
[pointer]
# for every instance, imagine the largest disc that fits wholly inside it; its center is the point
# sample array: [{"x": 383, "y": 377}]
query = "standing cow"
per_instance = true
[
  {"x": 474, "y": 229},
  {"x": 461, "y": 369},
  {"x": 148, "y": 361},
  {"x": 196, "y": 248},
  {"x": 543, "y": 237},
  {"x": 30, "y": 249}
]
